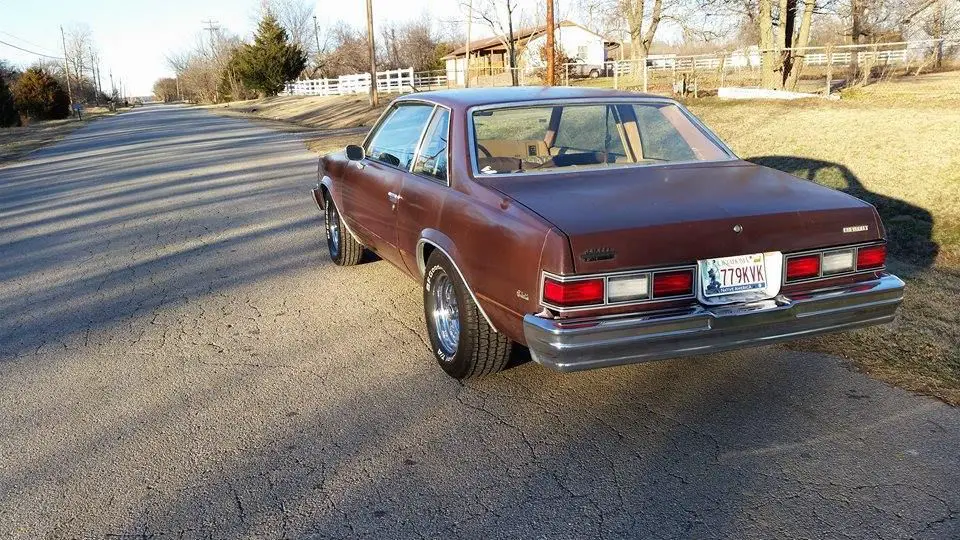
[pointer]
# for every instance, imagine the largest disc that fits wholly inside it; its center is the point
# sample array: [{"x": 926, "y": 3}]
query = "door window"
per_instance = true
[
  {"x": 396, "y": 139},
  {"x": 432, "y": 161}
]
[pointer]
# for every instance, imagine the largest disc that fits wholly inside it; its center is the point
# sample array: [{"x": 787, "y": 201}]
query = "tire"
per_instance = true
[
  {"x": 476, "y": 349},
  {"x": 594, "y": 73},
  {"x": 343, "y": 248}
]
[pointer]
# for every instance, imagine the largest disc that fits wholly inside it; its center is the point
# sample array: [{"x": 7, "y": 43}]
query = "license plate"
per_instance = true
[{"x": 729, "y": 275}]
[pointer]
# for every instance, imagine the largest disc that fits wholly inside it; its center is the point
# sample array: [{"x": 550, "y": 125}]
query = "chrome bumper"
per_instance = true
[{"x": 587, "y": 343}]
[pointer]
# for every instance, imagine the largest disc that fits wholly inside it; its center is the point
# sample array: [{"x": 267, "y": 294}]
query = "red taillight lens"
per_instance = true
[
  {"x": 803, "y": 267},
  {"x": 573, "y": 293},
  {"x": 678, "y": 283},
  {"x": 871, "y": 257}
]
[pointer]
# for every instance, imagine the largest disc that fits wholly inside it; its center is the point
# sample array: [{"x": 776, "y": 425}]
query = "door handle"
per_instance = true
[{"x": 394, "y": 197}]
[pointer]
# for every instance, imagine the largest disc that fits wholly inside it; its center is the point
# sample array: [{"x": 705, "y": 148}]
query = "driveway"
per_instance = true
[{"x": 178, "y": 359}]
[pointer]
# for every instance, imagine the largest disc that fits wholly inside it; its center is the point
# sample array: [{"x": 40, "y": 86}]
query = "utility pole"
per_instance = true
[
  {"x": 316, "y": 33},
  {"x": 466, "y": 56},
  {"x": 212, "y": 28},
  {"x": 551, "y": 48},
  {"x": 66, "y": 65},
  {"x": 374, "y": 99},
  {"x": 113, "y": 89}
]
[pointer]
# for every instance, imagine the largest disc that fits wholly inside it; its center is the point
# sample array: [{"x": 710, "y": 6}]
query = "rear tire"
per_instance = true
[
  {"x": 594, "y": 73},
  {"x": 343, "y": 248},
  {"x": 463, "y": 343}
]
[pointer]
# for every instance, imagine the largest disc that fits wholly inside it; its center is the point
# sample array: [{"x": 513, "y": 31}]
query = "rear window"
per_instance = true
[{"x": 543, "y": 138}]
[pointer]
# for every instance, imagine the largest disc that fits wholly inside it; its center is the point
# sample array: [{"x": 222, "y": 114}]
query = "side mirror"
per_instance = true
[{"x": 355, "y": 152}]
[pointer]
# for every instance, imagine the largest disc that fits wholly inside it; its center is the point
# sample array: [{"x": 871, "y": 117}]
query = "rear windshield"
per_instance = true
[{"x": 542, "y": 138}]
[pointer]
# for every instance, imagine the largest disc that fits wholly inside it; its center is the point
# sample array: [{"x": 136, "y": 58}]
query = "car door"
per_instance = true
[
  {"x": 424, "y": 188},
  {"x": 371, "y": 187}
]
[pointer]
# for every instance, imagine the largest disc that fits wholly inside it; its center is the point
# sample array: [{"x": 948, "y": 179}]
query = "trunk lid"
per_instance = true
[{"x": 677, "y": 214}]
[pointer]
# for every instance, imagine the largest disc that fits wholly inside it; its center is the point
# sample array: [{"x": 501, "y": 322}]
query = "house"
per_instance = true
[{"x": 490, "y": 56}]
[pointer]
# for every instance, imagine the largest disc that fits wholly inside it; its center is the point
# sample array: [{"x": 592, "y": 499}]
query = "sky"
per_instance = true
[{"x": 134, "y": 37}]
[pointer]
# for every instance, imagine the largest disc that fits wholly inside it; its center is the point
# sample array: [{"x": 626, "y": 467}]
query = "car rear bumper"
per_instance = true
[{"x": 587, "y": 343}]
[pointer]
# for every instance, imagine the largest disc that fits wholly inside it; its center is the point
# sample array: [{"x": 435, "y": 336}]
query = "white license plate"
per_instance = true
[{"x": 728, "y": 275}]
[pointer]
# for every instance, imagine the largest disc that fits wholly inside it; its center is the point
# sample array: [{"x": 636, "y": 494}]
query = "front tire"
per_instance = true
[
  {"x": 343, "y": 248},
  {"x": 463, "y": 343}
]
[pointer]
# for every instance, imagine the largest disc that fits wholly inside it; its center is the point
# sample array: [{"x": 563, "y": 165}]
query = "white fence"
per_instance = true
[
  {"x": 388, "y": 82},
  {"x": 724, "y": 64},
  {"x": 753, "y": 59}
]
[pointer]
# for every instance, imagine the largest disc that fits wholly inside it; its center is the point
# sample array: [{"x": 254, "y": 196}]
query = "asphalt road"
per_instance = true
[{"x": 178, "y": 359}]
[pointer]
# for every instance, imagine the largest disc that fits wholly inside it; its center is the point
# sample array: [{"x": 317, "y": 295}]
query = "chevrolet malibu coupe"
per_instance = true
[{"x": 596, "y": 228}]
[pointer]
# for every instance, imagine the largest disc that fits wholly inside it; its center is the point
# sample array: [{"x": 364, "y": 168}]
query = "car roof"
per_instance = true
[{"x": 469, "y": 97}]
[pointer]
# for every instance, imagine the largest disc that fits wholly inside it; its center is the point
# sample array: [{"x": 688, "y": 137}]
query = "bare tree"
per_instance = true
[
  {"x": 411, "y": 44},
  {"x": 347, "y": 53},
  {"x": 500, "y": 17},
  {"x": 79, "y": 49},
  {"x": 638, "y": 19},
  {"x": 296, "y": 17},
  {"x": 204, "y": 70}
]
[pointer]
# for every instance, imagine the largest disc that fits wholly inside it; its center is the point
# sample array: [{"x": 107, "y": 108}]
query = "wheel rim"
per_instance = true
[
  {"x": 446, "y": 314},
  {"x": 333, "y": 229}
]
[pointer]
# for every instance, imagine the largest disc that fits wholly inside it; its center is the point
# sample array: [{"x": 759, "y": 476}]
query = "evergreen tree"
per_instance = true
[
  {"x": 8, "y": 111},
  {"x": 271, "y": 60},
  {"x": 39, "y": 96}
]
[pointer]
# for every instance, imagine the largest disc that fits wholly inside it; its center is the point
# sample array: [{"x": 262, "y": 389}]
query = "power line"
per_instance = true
[
  {"x": 18, "y": 38},
  {"x": 29, "y": 51}
]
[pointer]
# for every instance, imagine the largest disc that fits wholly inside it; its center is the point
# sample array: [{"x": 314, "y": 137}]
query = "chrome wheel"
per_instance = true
[
  {"x": 446, "y": 314},
  {"x": 333, "y": 229}
]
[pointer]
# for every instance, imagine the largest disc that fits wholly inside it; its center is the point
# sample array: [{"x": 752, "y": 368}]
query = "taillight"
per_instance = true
[
  {"x": 803, "y": 267},
  {"x": 871, "y": 257},
  {"x": 582, "y": 292},
  {"x": 674, "y": 283}
]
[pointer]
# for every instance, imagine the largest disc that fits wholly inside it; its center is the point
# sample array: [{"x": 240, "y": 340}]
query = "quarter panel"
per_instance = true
[{"x": 498, "y": 248}]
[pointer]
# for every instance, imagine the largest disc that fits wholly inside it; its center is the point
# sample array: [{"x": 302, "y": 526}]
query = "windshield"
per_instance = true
[{"x": 559, "y": 136}]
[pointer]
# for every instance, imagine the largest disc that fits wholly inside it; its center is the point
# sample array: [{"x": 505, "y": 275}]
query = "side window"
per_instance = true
[
  {"x": 589, "y": 128},
  {"x": 432, "y": 161},
  {"x": 660, "y": 139},
  {"x": 397, "y": 137}
]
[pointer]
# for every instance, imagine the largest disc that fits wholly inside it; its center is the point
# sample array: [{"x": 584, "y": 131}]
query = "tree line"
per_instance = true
[
  {"x": 44, "y": 90},
  {"x": 222, "y": 67},
  {"x": 287, "y": 45}
]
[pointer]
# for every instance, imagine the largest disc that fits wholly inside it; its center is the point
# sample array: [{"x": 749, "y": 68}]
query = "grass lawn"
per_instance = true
[{"x": 896, "y": 145}]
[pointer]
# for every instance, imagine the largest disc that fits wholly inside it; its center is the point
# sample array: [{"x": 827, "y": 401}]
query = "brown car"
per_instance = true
[{"x": 596, "y": 228}]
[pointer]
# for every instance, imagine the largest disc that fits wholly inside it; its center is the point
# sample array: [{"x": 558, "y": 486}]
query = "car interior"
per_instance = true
[{"x": 537, "y": 138}]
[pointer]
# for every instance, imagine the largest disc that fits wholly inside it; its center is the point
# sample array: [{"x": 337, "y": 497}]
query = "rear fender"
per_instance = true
[{"x": 433, "y": 239}]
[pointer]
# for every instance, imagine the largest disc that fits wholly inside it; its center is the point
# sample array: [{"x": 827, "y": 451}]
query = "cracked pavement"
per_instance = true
[{"x": 178, "y": 359}]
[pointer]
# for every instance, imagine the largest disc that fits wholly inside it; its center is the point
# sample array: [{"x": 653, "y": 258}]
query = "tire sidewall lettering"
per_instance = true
[{"x": 429, "y": 281}]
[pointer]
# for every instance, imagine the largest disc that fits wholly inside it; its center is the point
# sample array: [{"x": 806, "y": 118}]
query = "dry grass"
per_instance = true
[
  {"x": 895, "y": 144},
  {"x": 903, "y": 156},
  {"x": 310, "y": 111},
  {"x": 17, "y": 142}
]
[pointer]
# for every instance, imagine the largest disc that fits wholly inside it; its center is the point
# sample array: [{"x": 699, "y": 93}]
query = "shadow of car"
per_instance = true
[{"x": 909, "y": 227}]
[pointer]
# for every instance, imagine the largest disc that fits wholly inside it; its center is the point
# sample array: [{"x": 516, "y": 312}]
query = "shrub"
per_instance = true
[
  {"x": 270, "y": 61},
  {"x": 39, "y": 96},
  {"x": 8, "y": 111}
]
